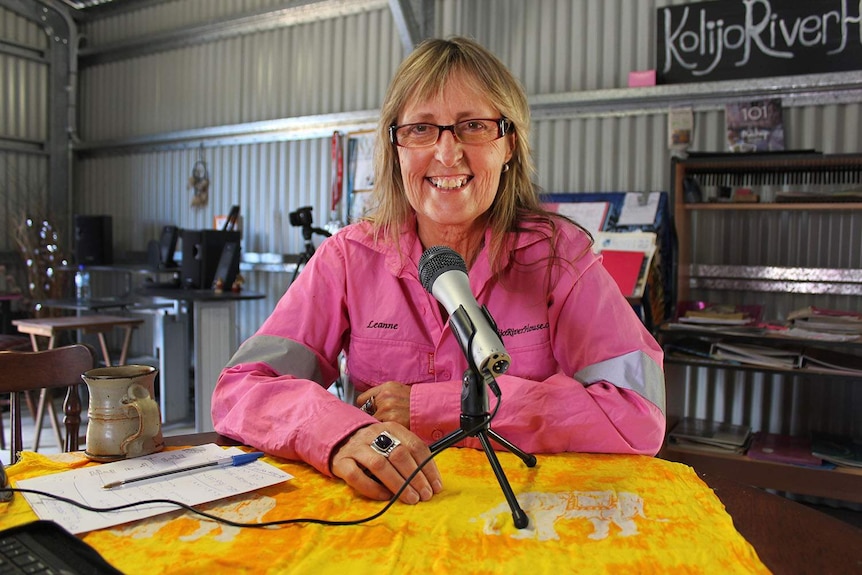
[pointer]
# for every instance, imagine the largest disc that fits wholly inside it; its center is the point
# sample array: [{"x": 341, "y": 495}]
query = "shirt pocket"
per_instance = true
[
  {"x": 535, "y": 362},
  {"x": 371, "y": 362}
]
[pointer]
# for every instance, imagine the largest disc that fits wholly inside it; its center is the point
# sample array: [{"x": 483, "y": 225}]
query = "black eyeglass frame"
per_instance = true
[{"x": 504, "y": 125}]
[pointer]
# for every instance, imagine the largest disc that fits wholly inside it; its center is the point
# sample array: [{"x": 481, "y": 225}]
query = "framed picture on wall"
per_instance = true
[{"x": 360, "y": 172}]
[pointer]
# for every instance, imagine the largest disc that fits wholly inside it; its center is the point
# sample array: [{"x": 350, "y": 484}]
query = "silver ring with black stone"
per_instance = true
[{"x": 384, "y": 444}]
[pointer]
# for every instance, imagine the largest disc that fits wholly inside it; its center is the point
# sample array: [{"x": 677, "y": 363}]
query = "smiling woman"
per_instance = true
[{"x": 452, "y": 171}]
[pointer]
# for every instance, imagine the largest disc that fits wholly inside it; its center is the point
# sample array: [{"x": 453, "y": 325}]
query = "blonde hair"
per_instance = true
[{"x": 424, "y": 74}]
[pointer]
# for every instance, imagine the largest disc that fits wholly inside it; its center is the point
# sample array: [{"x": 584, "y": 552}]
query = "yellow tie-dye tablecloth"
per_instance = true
[{"x": 588, "y": 514}]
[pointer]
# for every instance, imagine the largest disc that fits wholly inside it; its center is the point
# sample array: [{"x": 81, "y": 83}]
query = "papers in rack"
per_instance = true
[
  {"x": 85, "y": 485},
  {"x": 639, "y": 209},
  {"x": 627, "y": 256},
  {"x": 592, "y": 216}
]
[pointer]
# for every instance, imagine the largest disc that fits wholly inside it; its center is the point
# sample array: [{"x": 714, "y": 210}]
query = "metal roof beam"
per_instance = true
[{"x": 414, "y": 20}]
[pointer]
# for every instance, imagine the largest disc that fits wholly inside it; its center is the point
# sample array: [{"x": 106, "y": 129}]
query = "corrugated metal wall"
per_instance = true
[
  {"x": 341, "y": 63},
  {"x": 23, "y": 122}
]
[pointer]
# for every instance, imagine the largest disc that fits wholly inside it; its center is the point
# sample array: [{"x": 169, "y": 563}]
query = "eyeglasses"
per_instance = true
[{"x": 474, "y": 131}]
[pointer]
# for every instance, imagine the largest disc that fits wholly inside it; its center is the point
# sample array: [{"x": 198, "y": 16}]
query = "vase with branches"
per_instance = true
[{"x": 39, "y": 242}]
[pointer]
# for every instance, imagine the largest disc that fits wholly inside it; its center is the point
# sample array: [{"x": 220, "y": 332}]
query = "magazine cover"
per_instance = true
[{"x": 754, "y": 126}]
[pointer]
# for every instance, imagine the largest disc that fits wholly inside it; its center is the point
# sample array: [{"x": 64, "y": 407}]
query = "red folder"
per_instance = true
[{"x": 624, "y": 267}]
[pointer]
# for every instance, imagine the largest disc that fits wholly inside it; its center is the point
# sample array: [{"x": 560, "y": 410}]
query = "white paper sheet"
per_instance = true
[
  {"x": 626, "y": 241},
  {"x": 192, "y": 488},
  {"x": 591, "y": 215},
  {"x": 639, "y": 209}
]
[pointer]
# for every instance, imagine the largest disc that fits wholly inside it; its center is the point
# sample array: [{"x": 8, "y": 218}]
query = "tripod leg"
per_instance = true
[
  {"x": 448, "y": 441},
  {"x": 520, "y": 518},
  {"x": 528, "y": 458},
  {"x": 301, "y": 261}
]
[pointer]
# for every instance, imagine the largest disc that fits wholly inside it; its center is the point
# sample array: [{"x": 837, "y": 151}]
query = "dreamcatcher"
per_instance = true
[{"x": 200, "y": 181}]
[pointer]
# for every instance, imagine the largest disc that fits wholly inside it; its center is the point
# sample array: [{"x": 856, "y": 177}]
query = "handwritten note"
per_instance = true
[{"x": 193, "y": 488}]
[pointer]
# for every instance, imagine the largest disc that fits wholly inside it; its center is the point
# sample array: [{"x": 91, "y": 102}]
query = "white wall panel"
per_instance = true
[{"x": 319, "y": 67}]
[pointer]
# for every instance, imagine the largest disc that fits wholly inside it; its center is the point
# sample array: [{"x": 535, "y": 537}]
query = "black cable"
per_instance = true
[{"x": 264, "y": 524}]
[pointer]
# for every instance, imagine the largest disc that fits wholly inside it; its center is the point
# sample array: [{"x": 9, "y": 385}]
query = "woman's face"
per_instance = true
[{"x": 450, "y": 185}]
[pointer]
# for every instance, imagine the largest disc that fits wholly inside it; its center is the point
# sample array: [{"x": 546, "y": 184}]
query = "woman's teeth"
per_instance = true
[{"x": 449, "y": 183}]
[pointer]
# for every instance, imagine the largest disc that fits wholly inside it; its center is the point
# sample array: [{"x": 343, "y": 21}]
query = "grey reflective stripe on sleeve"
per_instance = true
[
  {"x": 285, "y": 356},
  {"x": 635, "y": 371}
]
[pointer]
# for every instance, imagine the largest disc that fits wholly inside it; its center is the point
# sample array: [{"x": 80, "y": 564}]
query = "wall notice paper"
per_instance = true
[{"x": 192, "y": 488}]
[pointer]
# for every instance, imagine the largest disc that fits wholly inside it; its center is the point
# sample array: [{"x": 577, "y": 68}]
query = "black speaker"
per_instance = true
[
  {"x": 94, "y": 240},
  {"x": 202, "y": 250}
]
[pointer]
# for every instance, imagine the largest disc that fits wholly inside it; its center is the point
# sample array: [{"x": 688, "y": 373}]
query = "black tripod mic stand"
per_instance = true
[{"x": 475, "y": 422}]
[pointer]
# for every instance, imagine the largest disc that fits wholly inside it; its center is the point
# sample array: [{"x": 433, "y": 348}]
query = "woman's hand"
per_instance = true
[
  {"x": 388, "y": 402},
  {"x": 377, "y": 476}
]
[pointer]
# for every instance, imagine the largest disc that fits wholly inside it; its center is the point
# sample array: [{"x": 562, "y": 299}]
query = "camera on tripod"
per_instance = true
[{"x": 301, "y": 217}]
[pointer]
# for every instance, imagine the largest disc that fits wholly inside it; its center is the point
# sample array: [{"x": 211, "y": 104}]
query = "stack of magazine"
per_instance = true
[
  {"x": 847, "y": 324},
  {"x": 714, "y": 436},
  {"x": 841, "y": 450}
]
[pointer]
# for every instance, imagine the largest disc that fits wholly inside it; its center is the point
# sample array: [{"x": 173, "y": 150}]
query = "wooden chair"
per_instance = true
[{"x": 22, "y": 371}]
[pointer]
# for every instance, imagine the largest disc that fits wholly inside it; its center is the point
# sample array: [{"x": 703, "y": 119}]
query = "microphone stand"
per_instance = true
[{"x": 476, "y": 422}]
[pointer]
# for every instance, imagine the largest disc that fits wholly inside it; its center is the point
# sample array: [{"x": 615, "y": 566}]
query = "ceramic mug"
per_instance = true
[{"x": 124, "y": 419}]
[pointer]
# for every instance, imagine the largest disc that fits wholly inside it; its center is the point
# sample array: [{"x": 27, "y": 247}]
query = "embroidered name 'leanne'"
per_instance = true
[{"x": 381, "y": 325}]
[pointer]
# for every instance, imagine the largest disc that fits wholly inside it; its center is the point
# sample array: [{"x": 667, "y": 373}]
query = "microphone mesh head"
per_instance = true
[{"x": 437, "y": 260}]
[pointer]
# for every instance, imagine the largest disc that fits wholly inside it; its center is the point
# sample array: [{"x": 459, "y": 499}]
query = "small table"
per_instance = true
[{"x": 51, "y": 327}]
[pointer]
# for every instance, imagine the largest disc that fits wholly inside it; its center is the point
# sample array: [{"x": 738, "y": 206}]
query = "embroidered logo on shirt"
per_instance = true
[
  {"x": 522, "y": 330},
  {"x": 381, "y": 325}
]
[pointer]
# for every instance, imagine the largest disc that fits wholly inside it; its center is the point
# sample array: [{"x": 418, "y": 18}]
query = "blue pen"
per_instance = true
[{"x": 231, "y": 461}]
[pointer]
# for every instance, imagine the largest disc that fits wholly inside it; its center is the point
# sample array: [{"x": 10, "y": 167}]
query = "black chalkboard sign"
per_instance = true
[{"x": 735, "y": 39}]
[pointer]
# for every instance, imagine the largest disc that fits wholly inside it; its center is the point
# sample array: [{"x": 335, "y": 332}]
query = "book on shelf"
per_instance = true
[
  {"x": 830, "y": 361},
  {"x": 707, "y": 447},
  {"x": 715, "y": 314},
  {"x": 688, "y": 348},
  {"x": 761, "y": 355},
  {"x": 813, "y": 318},
  {"x": 842, "y": 450},
  {"x": 781, "y": 448},
  {"x": 708, "y": 435}
]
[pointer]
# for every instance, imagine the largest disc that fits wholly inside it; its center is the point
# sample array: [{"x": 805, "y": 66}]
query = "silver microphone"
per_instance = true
[{"x": 444, "y": 274}]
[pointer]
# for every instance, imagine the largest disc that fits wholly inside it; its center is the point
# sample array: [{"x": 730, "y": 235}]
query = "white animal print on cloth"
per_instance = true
[
  {"x": 601, "y": 508},
  {"x": 242, "y": 508}
]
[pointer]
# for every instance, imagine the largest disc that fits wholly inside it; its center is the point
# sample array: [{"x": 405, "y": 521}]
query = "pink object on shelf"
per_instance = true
[{"x": 641, "y": 78}]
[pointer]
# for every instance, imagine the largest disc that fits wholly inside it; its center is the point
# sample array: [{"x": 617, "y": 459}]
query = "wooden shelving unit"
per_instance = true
[{"x": 766, "y": 175}]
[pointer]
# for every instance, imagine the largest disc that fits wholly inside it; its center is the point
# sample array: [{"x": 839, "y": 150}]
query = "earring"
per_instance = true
[{"x": 505, "y": 168}]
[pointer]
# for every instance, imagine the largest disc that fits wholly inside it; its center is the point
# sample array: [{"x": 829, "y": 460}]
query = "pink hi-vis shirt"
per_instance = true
[{"x": 585, "y": 376}]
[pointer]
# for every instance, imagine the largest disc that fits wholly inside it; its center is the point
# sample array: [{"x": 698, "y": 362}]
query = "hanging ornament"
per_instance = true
[{"x": 199, "y": 181}]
